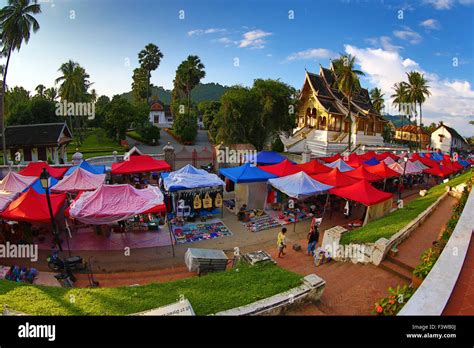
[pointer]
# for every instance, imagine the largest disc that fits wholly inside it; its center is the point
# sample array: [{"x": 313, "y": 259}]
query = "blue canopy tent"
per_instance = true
[
  {"x": 246, "y": 173},
  {"x": 341, "y": 165},
  {"x": 372, "y": 162},
  {"x": 265, "y": 158},
  {"x": 464, "y": 163},
  {"x": 299, "y": 185},
  {"x": 250, "y": 185},
  {"x": 86, "y": 166},
  {"x": 39, "y": 189}
]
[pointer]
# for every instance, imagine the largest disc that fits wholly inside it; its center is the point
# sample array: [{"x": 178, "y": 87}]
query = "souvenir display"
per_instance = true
[
  {"x": 197, "y": 204},
  {"x": 218, "y": 200},
  {"x": 260, "y": 223},
  {"x": 193, "y": 232},
  {"x": 207, "y": 201}
]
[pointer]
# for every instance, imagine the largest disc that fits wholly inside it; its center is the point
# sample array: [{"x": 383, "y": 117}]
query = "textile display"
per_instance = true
[{"x": 193, "y": 232}]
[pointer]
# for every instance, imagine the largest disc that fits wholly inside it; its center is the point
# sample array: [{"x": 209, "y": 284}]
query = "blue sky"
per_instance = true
[{"x": 432, "y": 36}]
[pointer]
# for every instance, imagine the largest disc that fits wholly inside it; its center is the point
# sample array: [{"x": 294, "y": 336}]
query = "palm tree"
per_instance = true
[
  {"x": 418, "y": 91},
  {"x": 347, "y": 82},
  {"x": 376, "y": 97},
  {"x": 188, "y": 75},
  {"x": 51, "y": 93},
  {"x": 149, "y": 59},
  {"x": 40, "y": 89},
  {"x": 16, "y": 22},
  {"x": 400, "y": 99},
  {"x": 73, "y": 88}
]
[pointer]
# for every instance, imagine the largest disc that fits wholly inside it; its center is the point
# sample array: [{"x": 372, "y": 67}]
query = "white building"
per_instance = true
[
  {"x": 160, "y": 115},
  {"x": 448, "y": 140}
]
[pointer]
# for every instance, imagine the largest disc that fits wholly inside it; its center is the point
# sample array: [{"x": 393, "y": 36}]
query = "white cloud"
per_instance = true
[
  {"x": 311, "y": 53},
  {"x": 254, "y": 39},
  {"x": 441, "y": 4},
  {"x": 409, "y": 35},
  {"x": 431, "y": 24},
  {"x": 385, "y": 42},
  {"x": 206, "y": 31},
  {"x": 451, "y": 101},
  {"x": 226, "y": 41}
]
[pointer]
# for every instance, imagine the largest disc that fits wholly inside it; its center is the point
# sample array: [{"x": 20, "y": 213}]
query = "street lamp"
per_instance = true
[{"x": 44, "y": 179}]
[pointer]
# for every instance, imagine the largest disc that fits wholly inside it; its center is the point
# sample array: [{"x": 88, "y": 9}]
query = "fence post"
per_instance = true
[{"x": 169, "y": 154}]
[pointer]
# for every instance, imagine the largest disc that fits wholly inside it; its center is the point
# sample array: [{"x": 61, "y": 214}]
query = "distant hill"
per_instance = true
[
  {"x": 397, "y": 120},
  {"x": 203, "y": 91}
]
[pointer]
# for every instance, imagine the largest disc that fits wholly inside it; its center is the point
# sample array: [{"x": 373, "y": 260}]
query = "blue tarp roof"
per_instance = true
[
  {"x": 246, "y": 173},
  {"x": 341, "y": 165},
  {"x": 38, "y": 188},
  {"x": 89, "y": 167},
  {"x": 265, "y": 157},
  {"x": 464, "y": 163},
  {"x": 436, "y": 156},
  {"x": 372, "y": 162}
]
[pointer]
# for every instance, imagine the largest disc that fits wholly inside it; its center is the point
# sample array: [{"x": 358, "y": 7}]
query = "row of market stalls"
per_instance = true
[{"x": 361, "y": 179}]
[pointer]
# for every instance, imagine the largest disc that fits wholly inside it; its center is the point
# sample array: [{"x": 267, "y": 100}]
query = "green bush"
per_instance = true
[
  {"x": 428, "y": 259},
  {"x": 392, "y": 304}
]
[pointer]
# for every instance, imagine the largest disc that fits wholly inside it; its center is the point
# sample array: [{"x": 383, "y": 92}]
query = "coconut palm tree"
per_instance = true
[
  {"x": 347, "y": 82},
  {"x": 17, "y": 21},
  {"x": 40, "y": 89},
  {"x": 400, "y": 99},
  {"x": 149, "y": 59},
  {"x": 376, "y": 97},
  {"x": 417, "y": 91},
  {"x": 74, "y": 83},
  {"x": 51, "y": 93},
  {"x": 188, "y": 75}
]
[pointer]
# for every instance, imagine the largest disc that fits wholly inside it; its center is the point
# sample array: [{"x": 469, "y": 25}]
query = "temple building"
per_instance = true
[
  {"x": 322, "y": 126},
  {"x": 160, "y": 115},
  {"x": 411, "y": 133}
]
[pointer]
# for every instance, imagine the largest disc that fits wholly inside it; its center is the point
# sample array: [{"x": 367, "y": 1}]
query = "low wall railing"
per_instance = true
[{"x": 435, "y": 291}]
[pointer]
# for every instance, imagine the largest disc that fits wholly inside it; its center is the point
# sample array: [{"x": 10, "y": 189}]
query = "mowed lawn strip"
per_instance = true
[
  {"x": 390, "y": 224},
  {"x": 95, "y": 143},
  {"x": 208, "y": 294}
]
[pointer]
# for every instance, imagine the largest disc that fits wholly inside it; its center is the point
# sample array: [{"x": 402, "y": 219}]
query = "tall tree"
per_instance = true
[
  {"x": 347, "y": 82},
  {"x": 188, "y": 75},
  {"x": 149, "y": 59},
  {"x": 40, "y": 89},
  {"x": 51, "y": 93},
  {"x": 74, "y": 83},
  {"x": 140, "y": 85},
  {"x": 376, "y": 97},
  {"x": 400, "y": 99},
  {"x": 17, "y": 21},
  {"x": 418, "y": 91}
]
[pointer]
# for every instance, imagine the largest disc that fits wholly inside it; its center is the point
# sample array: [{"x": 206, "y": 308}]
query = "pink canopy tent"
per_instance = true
[
  {"x": 79, "y": 180},
  {"x": 14, "y": 182},
  {"x": 6, "y": 198},
  {"x": 411, "y": 168},
  {"x": 113, "y": 203}
]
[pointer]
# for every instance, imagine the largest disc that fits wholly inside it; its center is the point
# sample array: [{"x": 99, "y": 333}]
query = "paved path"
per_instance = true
[
  {"x": 461, "y": 301},
  {"x": 201, "y": 142}
]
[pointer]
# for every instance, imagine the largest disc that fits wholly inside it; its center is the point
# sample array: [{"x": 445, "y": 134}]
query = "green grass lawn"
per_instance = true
[
  {"x": 95, "y": 143},
  {"x": 208, "y": 294},
  {"x": 390, "y": 224}
]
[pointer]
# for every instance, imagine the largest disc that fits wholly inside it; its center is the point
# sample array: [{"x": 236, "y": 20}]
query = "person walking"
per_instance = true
[
  {"x": 281, "y": 242},
  {"x": 313, "y": 237}
]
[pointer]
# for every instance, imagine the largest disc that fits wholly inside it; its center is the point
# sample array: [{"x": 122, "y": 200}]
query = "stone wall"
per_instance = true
[{"x": 310, "y": 291}]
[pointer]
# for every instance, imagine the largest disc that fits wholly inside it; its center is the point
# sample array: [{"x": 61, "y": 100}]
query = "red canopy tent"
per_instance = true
[
  {"x": 382, "y": 170},
  {"x": 335, "y": 178},
  {"x": 368, "y": 155},
  {"x": 438, "y": 170},
  {"x": 331, "y": 158},
  {"x": 361, "y": 192},
  {"x": 451, "y": 166},
  {"x": 36, "y": 168},
  {"x": 283, "y": 168},
  {"x": 458, "y": 165},
  {"x": 140, "y": 164},
  {"x": 355, "y": 160},
  {"x": 361, "y": 173},
  {"x": 313, "y": 167},
  {"x": 382, "y": 156},
  {"x": 33, "y": 207}
]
